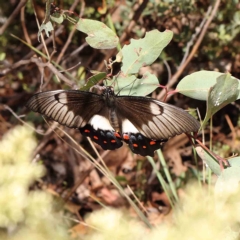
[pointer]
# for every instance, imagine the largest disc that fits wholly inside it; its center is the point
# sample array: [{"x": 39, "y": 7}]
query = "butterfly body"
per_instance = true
[{"x": 108, "y": 119}]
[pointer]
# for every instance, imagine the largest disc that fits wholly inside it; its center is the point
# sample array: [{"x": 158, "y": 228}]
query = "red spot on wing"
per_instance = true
[
  {"x": 105, "y": 142},
  {"x": 87, "y": 131},
  {"x": 144, "y": 146},
  {"x": 126, "y": 137},
  {"x": 113, "y": 141},
  {"x": 117, "y": 135},
  {"x": 95, "y": 137},
  {"x": 152, "y": 143},
  {"x": 135, "y": 145}
]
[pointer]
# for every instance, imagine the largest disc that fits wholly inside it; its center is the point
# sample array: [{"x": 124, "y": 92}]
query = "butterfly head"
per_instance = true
[{"x": 109, "y": 96}]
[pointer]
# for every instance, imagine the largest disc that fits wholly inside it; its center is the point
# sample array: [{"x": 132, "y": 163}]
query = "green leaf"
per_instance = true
[
  {"x": 121, "y": 179},
  {"x": 58, "y": 19},
  {"x": 145, "y": 51},
  {"x": 222, "y": 93},
  {"x": 197, "y": 85},
  {"x": 99, "y": 35},
  {"x": 48, "y": 27},
  {"x": 133, "y": 86},
  {"x": 209, "y": 160},
  {"x": 93, "y": 80},
  {"x": 228, "y": 180},
  {"x": 46, "y": 24},
  {"x": 234, "y": 162}
]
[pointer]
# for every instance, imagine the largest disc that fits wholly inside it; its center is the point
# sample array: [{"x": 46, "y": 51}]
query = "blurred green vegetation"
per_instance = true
[
  {"x": 201, "y": 213},
  {"x": 25, "y": 213}
]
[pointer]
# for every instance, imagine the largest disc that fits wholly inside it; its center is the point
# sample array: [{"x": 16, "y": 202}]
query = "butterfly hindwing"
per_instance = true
[
  {"x": 100, "y": 131},
  {"x": 139, "y": 144},
  {"x": 107, "y": 139}
]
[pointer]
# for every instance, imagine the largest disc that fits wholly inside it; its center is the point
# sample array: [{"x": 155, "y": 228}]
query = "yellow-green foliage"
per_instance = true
[
  {"x": 201, "y": 215},
  {"x": 24, "y": 214},
  {"x": 114, "y": 224}
]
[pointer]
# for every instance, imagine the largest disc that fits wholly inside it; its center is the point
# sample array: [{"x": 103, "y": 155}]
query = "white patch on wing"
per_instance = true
[
  {"x": 100, "y": 122},
  {"x": 60, "y": 116},
  {"x": 127, "y": 127},
  {"x": 155, "y": 109},
  {"x": 62, "y": 98},
  {"x": 78, "y": 121},
  {"x": 56, "y": 110},
  {"x": 49, "y": 108},
  {"x": 69, "y": 117}
]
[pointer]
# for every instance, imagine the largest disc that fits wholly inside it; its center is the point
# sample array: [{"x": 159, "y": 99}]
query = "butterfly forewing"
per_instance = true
[
  {"x": 71, "y": 108},
  {"x": 154, "y": 119}
]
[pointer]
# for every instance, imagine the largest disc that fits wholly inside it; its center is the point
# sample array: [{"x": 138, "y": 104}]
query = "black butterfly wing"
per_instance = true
[
  {"x": 147, "y": 122},
  {"x": 78, "y": 109},
  {"x": 71, "y": 108},
  {"x": 107, "y": 139}
]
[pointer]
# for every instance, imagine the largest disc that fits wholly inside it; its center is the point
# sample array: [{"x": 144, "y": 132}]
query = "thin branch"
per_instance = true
[
  {"x": 23, "y": 23},
  {"x": 126, "y": 32},
  {"x": 70, "y": 36},
  {"x": 194, "y": 36},
  {"x": 23, "y": 122},
  {"x": 42, "y": 38},
  {"x": 194, "y": 50},
  {"x": 13, "y": 15},
  {"x": 54, "y": 70}
]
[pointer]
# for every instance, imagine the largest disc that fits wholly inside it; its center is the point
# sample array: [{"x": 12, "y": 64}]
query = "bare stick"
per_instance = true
[
  {"x": 194, "y": 50},
  {"x": 13, "y": 15}
]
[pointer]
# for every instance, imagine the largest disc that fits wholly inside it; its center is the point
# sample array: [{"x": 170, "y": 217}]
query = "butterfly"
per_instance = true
[{"x": 109, "y": 119}]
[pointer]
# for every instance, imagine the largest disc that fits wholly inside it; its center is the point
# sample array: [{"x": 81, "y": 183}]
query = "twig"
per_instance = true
[
  {"x": 42, "y": 38},
  {"x": 13, "y": 16},
  {"x": 83, "y": 177},
  {"x": 54, "y": 70},
  {"x": 234, "y": 135},
  {"x": 168, "y": 70},
  {"x": 76, "y": 51},
  {"x": 137, "y": 200},
  {"x": 25, "y": 32},
  {"x": 194, "y": 50},
  {"x": 126, "y": 32},
  {"x": 70, "y": 36},
  {"x": 19, "y": 119},
  {"x": 194, "y": 36},
  {"x": 134, "y": 20},
  {"x": 47, "y": 41},
  {"x": 218, "y": 158}
]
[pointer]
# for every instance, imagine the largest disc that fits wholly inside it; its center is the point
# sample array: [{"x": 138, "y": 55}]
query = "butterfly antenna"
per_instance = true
[
  {"x": 131, "y": 87},
  {"x": 132, "y": 83}
]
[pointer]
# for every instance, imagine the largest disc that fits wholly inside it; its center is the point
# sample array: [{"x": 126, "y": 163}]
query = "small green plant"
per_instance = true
[
  {"x": 24, "y": 213},
  {"x": 202, "y": 214}
]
